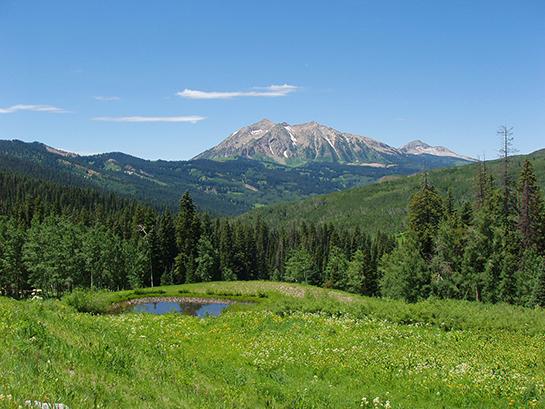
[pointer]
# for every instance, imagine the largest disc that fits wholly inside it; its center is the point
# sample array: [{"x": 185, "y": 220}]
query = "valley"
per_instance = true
[{"x": 230, "y": 186}]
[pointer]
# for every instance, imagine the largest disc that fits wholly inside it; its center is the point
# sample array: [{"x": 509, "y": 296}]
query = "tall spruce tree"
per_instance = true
[
  {"x": 405, "y": 273},
  {"x": 187, "y": 237},
  {"x": 335, "y": 270},
  {"x": 531, "y": 215},
  {"x": 425, "y": 213}
]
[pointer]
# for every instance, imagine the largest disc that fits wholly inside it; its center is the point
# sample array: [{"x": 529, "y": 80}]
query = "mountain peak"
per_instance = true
[
  {"x": 263, "y": 123},
  {"x": 417, "y": 147},
  {"x": 314, "y": 142}
]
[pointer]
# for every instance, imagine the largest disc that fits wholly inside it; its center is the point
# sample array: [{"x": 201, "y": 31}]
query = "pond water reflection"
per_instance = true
[{"x": 196, "y": 309}]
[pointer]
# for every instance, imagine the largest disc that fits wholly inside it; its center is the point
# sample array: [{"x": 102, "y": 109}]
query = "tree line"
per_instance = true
[
  {"x": 492, "y": 249},
  {"x": 56, "y": 238}
]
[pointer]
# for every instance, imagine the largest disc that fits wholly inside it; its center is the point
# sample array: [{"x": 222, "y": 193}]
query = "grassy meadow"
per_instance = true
[{"x": 294, "y": 346}]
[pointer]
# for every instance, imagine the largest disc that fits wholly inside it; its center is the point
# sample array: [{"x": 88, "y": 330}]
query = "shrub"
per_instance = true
[{"x": 93, "y": 302}]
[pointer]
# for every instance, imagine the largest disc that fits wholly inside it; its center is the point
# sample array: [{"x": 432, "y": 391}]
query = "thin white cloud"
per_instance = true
[
  {"x": 33, "y": 108},
  {"x": 190, "y": 118},
  {"x": 107, "y": 98},
  {"x": 270, "y": 91}
]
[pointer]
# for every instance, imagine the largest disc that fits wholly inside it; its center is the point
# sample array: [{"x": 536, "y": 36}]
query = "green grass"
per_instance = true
[{"x": 295, "y": 347}]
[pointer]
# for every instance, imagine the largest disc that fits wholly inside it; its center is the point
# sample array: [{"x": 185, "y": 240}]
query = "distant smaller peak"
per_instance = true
[{"x": 415, "y": 144}]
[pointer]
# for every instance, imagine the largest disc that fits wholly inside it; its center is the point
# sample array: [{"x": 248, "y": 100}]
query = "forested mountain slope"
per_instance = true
[
  {"x": 383, "y": 206},
  {"x": 222, "y": 188}
]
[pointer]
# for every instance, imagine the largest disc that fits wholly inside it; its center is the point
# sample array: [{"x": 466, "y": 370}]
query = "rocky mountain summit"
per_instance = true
[{"x": 313, "y": 142}]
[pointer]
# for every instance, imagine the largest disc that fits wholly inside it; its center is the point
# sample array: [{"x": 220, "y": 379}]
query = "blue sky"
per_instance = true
[{"x": 447, "y": 72}]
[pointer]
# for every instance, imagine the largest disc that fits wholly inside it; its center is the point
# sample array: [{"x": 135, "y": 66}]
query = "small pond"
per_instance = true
[
  {"x": 187, "y": 308},
  {"x": 196, "y": 307}
]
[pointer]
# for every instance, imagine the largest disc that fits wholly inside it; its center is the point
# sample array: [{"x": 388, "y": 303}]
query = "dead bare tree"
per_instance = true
[
  {"x": 506, "y": 150},
  {"x": 142, "y": 229}
]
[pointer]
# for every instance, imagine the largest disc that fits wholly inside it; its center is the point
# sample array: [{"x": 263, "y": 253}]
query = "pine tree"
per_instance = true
[
  {"x": 425, "y": 214},
  {"x": 359, "y": 277},
  {"x": 261, "y": 248},
  {"x": 528, "y": 277},
  {"x": 446, "y": 264},
  {"x": 207, "y": 261},
  {"x": 405, "y": 273},
  {"x": 484, "y": 185},
  {"x": 539, "y": 288},
  {"x": 187, "y": 237},
  {"x": 531, "y": 219},
  {"x": 476, "y": 254},
  {"x": 226, "y": 250},
  {"x": 510, "y": 255},
  {"x": 335, "y": 270}
]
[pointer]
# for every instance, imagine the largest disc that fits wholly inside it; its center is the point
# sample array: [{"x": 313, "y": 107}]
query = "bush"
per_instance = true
[{"x": 93, "y": 302}]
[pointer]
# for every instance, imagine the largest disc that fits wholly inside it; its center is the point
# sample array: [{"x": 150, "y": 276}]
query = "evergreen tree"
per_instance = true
[
  {"x": 187, "y": 237},
  {"x": 405, "y": 273},
  {"x": 509, "y": 261},
  {"x": 335, "y": 270},
  {"x": 531, "y": 219},
  {"x": 528, "y": 277},
  {"x": 446, "y": 264},
  {"x": 207, "y": 261},
  {"x": 359, "y": 277},
  {"x": 539, "y": 286},
  {"x": 476, "y": 253},
  {"x": 425, "y": 214},
  {"x": 226, "y": 251},
  {"x": 261, "y": 241}
]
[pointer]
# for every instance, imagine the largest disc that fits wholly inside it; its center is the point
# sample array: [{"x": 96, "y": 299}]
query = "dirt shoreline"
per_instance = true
[{"x": 195, "y": 300}]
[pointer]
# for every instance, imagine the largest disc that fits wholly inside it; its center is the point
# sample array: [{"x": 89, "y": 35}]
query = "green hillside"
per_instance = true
[
  {"x": 383, "y": 206},
  {"x": 222, "y": 188},
  {"x": 298, "y": 347}
]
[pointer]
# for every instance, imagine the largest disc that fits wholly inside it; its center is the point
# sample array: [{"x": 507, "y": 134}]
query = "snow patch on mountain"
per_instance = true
[{"x": 308, "y": 142}]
